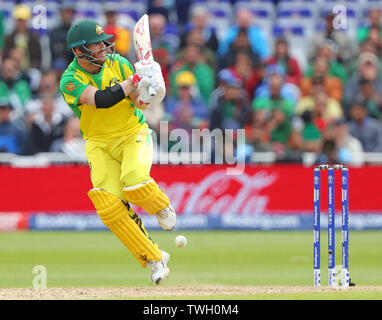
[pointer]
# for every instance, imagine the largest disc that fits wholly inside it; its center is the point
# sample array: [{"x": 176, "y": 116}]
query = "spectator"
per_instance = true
[
  {"x": 367, "y": 46},
  {"x": 279, "y": 129},
  {"x": 339, "y": 37},
  {"x": 368, "y": 66},
  {"x": 349, "y": 148},
  {"x": 275, "y": 94},
  {"x": 230, "y": 110},
  {"x": 161, "y": 37},
  {"x": 158, "y": 7},
  {"x": 329, "y": 50},
  {"x": 258, "y": 140},
  {"x": 328, "y": 153},
  {"x": 182, "y": 119},
  {"x": 31, "y": 76},
  {"x": 244, "y": 70},
  {"x": 61, "y": 57},
  {"x": 23, "y": 38},
  {"x": 323, "y": 113},
  {"x": 240, "y": 44},
  {"x": 256, "y": 36},
  {"x": 199, "y": 21},
  {"x": 370, "y": 98},
  {"x": 321, "y": 105},
  {"x": 48, "y": 88},
  {"x": 279, "y": 136},
  {"x": 122, "y": 36},
  {"x": 374, "y": 22},
  {"x": 14, "y": 87},
  {"x": 290, "y": 65},
  {"x": 72, "y": 143},
  {"x": 203, "y": 73},
  {"x": 225, "y": 78},
  {"x": 260, "y": 117},
  {"x": 293, "y": 150},
  {"x": 47, "y": 126},
  {"x": 333, "y": 85},
  {"x": 13, "y": 138},
  {"x": 189, "y": 101},
  {"x": 195, "y": 37},
  {"x": 311, "y": 134},
  {"x": 367, "y": 130},
  {"x": 255, "y": 130},
  {"x": 375, "y": 38}
]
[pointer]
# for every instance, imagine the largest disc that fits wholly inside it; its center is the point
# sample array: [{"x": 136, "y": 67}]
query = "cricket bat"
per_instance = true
[{"x": 142, "y": 42}]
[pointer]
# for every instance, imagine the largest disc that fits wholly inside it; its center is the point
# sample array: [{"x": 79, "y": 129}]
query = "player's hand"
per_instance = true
[{"x": 147, "y": 83}]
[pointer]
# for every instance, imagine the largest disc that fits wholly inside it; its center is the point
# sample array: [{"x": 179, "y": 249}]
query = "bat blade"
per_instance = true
[{"x": 142, "y": 43}]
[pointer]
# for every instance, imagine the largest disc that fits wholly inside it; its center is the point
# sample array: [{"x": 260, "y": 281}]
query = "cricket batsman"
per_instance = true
[{"x": 107, "y": 95}]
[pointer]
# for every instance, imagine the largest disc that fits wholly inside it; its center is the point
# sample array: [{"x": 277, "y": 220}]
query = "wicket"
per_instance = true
[{"x": 331, "y": 225}]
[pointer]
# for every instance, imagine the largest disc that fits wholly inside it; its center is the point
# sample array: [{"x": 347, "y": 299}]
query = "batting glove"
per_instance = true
[
  {"x": 145, "y": 94},
  {"x": 146, "y": 68},
  {"x": 135, "y": 79}
]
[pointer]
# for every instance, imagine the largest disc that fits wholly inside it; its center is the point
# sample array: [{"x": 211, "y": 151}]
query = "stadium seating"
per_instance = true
[
  {"x": 256, "y": 4},
  {"x": 292, "y": 17},
  {"x": 264, "y": 19}
]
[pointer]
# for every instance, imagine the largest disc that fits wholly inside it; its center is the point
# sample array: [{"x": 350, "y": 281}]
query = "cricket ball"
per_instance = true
[{"x": 180, "y": 241}]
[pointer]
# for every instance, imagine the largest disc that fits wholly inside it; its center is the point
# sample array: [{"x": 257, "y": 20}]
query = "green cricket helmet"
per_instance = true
[{"x": 87, "y": 32}]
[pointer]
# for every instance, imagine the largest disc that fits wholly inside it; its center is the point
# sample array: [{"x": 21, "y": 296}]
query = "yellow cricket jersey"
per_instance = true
[{"x": 119, "y": 120}]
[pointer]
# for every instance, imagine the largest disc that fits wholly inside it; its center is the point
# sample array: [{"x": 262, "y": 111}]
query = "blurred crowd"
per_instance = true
[{"x": 241, "y": 78}]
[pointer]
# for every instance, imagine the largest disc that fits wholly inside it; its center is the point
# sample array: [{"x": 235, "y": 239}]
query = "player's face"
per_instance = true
[{"x": 99, "y": 51}]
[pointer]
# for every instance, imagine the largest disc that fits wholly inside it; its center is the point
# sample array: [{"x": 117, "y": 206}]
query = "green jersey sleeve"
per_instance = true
[{"x": 72, "y": 87}]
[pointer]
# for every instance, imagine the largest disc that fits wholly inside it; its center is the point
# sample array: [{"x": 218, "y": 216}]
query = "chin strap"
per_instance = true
[{"x": 88, "y": 54}]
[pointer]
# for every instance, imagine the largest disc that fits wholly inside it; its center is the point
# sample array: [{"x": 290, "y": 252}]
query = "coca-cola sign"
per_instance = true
[
  {"x": 196, "y": 190},
  {"x": 218, "y": 193}
]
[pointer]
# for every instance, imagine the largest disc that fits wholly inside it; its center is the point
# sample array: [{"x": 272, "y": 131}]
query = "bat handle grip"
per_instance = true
[{"x": 152, "y": 91}]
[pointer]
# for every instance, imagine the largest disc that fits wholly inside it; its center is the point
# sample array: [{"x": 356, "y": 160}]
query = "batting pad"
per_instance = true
[
  {"x": 128, "y": 228},
  {"x": 147, "y": 196}
]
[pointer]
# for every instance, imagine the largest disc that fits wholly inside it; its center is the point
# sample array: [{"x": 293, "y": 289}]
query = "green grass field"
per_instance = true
[{"x": 231, "y": 258}]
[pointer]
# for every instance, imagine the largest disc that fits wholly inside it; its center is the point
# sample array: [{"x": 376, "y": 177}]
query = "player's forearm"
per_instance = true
[
  {"x": 128, "y": 86},
  {"x": 108, "y": 97}
]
